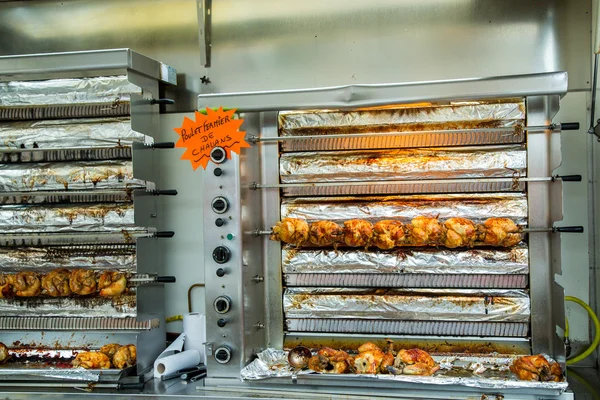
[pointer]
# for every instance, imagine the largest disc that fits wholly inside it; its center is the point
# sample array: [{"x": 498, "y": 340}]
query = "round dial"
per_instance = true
[
  {"x": 221, "y": 322},
  {"x": 219, "y": 204},
  {"x": 219, "y": 222},
  {"x": 220, "y": 272},
  {"x": 218, "y": 172},
  {"x": 223, "y": 354},
  {"x": 222, "y": 304},
  {"x": 218, "y": 155},
  {"x": 221, "y": 254}
]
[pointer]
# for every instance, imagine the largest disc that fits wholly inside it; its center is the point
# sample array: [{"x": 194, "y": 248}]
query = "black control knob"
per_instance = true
[
  {"x": 218, "y": 155},
  {"x": 220, "y": 272},
  {"x": 222, "y": 304},
  {"x": 219, "y": 204},
  {"x": 218, "y": 172},
  {"x": 221, "y": 254},
  {"x": 223, "y": 354},
  {"x": 221, "y": 322},
  {"x": 219, "y": 222}
]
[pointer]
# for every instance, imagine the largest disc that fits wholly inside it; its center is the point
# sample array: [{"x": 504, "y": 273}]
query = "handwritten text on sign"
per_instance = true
[{"x": 217, "y": 128}]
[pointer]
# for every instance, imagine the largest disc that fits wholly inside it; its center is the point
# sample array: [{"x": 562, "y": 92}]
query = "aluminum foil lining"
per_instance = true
[
  {"x": 103, "y": 89},
  {"x": 72, "y": 133},
  {"x": 417, "y": 261},
  {"x": 291, "y": 122},
  {"x": 477, "y": 207},
  {"x": 78, "y": 175},
  {"x": 95, "y": 306},
  {"x": 406, "y": 164},
  {"x": 117, "y": 257},
  {"x": 272, "y": 363},
  {"x": 408, "y": 304},
  {"x": 75, "y": 374},
  {"x": 94, "y": 218}
]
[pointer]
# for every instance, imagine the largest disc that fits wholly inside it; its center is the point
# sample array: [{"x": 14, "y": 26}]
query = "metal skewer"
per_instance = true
[
  {"x": 125, "y": 236},
  {"x": 565, "y": 178}
]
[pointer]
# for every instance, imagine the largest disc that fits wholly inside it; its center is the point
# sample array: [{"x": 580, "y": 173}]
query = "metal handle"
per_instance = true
[
  {"x": 133, "y": 385},
  {"x": 164, "y": 234},
  {"x": 168, "y": 192},
  {"x": 162, "y": 101},
  {"x": 166, "y": 279},
  {"x": 568, "y": 229},
  {"x": 569, "y": 178},
  {"x": 163, "y": 145},
  {"x": 569, "y": 126}
]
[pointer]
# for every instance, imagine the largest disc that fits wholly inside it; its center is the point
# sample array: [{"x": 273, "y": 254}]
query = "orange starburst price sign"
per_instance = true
[{"x": 216, "y": 128}]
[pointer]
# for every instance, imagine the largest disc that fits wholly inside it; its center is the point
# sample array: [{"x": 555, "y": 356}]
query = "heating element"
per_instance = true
[{"x": 472, "y": 149}]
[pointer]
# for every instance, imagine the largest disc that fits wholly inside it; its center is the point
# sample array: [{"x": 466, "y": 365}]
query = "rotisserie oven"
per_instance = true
[{"x": 392, "y": 235}]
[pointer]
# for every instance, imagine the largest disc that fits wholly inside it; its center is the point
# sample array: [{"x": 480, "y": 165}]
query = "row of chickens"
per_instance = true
[
  {"x": 110, "y": 355},
  {"x": 387, "y": 234},
  {"x": 63, "y": 283},
  {"x": 372, "y": 360}
]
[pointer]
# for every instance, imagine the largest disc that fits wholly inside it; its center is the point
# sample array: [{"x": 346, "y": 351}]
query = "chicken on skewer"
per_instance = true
[
  {"x": 112, "y": 283},
  {"x": 536, "y": 368},
  {"x": 82, "y": 282},
  {"x": 372, "y": 360},
  {"x": 56, "y": 283},
  {"x": 92, "y": 360},
  {"x": 425, "y": 231},
  {"x": 110, "y": 349},
  {"x": 501, "y": 232},
  {"x": 388, "y": 234},
  {"x": 4, "y": 355},
  {"x": 5, "y": 286},
  {"x": 325, "y": 233},
  {"x": 26, "y": 284},
  {"x": 292, "y": 231},
  {"x": 460, "y": 232},
  {"x": 358, "y": 233}
]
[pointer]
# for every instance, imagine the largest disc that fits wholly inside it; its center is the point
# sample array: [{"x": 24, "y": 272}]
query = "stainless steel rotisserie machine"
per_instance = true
[{"x": 473, "y": 149}]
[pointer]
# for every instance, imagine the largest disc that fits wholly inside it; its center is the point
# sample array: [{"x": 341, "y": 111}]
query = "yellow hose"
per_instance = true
[
  {"x": 596, "y": 341},
  {"x": 174, "y": 318}
]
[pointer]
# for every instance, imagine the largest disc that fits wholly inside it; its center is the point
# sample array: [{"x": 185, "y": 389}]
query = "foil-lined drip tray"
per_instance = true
[
  {"x": 410, "y": 164},
  {"x": 69, "y": 218},
  {"x": 111, "y": 257},
  {"x": 52, "y": 364},
  {"x": 457, "y": 372},
  {"x": 400, "y": 119},
  {"x": 110, "y": 90},
  {"x": 78, "y": 175},
  {"x": 408, "y": 304},
  {"x": 116, "y": 307},
  {"x": 477, "y": 207}
]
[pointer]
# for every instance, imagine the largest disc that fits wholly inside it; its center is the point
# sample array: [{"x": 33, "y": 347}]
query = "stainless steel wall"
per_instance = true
[{"x": 271, "y": 44}]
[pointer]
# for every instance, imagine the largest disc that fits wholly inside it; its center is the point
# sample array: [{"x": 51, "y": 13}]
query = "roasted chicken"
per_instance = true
[
  {"x": 372, "y": 360},
  {"x": 425, "y": 231},
  {"x": 501, "y": 232},
  {"x": 111, "y": 283},
  {"x": 56, "y": 283},
  {"x": 388, "y": 234},
  {"x": 124, "y": 357},
  {"x": 536, "y": 368},
  {"x": 293, "y": 231},
  {"x": 92, "y": 360},
  {"x": 3, "y": 353},
  {"x": 26, "y": 284},
  {"x": 460, "y": 232},
  {"x": 110, "y": 349},
  {"x": 331, "y": 361},
  {"x": 82, "y": 282},
  {"x": 415, "y": 362},
  {"x": 325, "y": 233},
  {"x": 358, "y": 233},
  {"x": 5, "y": 286}
]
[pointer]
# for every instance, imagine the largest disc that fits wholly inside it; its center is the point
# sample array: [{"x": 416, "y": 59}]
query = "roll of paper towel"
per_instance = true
[
  {"x": 173, "y": 359},
  {"x": 194, "y": 327}
]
